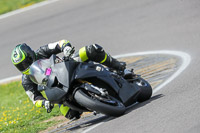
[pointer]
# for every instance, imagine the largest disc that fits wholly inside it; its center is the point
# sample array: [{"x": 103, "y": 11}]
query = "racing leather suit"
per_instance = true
[{"x": 88, "y": 53}]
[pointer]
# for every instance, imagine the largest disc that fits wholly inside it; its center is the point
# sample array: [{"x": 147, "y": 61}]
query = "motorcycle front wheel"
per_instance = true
[
  {"x": 145, "y": 90},
  {"x": 106, "y": 105}
]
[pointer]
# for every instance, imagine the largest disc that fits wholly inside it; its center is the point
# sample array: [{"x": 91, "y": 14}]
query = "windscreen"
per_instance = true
[{"x": 40, "y": 71}]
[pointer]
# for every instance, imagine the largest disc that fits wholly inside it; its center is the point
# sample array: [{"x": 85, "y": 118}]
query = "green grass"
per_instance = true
[
  {"x": 10, "y": 5},
  {"x": 17, "y": 112}
]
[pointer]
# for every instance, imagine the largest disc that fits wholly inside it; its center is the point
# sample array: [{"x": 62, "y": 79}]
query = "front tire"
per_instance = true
[
  {"x": 94, "y": 104},
  {"x": 145, "y": 90}
]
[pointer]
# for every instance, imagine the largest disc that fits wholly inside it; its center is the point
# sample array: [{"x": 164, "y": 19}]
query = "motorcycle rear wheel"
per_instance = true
[{"x": 88, "y": 101}]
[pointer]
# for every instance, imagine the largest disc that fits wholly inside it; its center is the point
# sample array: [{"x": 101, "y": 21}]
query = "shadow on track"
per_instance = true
[
  {"x": 89, "y": 123},
  {"x": 139, "y": 105},
  {"x": 81, "y": 124}
]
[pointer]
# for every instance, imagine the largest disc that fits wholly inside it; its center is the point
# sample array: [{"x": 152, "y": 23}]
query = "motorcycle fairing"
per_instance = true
[
  {"x": 126, "y": 91},
  {"x": 63, "y": 73},
  {"x": 54, "y": 94},
  {"x": 58, "y": 82}
]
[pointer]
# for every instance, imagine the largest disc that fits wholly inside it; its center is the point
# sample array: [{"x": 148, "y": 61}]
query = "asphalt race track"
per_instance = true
[{"x": 122, "y": 26}]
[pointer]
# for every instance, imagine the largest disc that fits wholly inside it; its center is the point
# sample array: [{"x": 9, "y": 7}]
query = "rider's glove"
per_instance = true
[
  {"x": 66, "y": 47},
  {"x": 47, "y": 105},
  {"x": 68, "y": 50}
]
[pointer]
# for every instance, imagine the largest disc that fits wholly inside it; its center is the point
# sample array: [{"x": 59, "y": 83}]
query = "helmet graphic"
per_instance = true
[{"x": 22, "y": 57}]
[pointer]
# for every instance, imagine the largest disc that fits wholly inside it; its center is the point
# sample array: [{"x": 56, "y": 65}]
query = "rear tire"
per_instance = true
[
  {"x": 94, "y": 104},
  {"x": 146, "y": 90}
]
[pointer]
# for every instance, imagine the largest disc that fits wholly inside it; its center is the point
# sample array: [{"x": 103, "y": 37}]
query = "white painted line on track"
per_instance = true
[
  {"x": 26, "y": 8},
  {"x": 185, "y": 62},
  {"x": 6, "y": 80},
  {"x": 89, "y": 129}
]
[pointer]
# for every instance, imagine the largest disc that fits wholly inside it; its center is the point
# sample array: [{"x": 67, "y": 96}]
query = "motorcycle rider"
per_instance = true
[{"x": 23, "y": 56}]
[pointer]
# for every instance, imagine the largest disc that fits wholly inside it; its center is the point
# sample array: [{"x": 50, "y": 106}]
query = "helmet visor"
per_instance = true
[{"x": 22, "y": 66}]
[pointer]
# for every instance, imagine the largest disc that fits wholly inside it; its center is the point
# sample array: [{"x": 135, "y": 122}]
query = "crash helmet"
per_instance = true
[{"x": 22, "y": 57}]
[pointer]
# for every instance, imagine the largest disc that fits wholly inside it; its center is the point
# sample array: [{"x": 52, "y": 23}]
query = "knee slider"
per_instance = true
[
  {"x": 94, "y": 49},
  {"x": 95, "y": 52},
  {"x": 98, "y": 48}
]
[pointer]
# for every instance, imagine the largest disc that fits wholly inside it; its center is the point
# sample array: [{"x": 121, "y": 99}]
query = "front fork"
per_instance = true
[{"x": 91, "y": 88}]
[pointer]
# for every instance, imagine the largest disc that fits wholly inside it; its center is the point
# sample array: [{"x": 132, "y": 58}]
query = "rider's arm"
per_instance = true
[
  {"x": 31, "y": 90},
  {"x": 52, "y": 48}
]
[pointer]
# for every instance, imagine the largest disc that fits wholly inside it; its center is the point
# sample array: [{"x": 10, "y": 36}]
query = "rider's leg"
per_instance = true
[{"x": 96, "y": 53}]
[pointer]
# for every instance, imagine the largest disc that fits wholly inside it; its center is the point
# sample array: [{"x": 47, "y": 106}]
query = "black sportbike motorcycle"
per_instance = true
[{"x": 88, "y": 86}]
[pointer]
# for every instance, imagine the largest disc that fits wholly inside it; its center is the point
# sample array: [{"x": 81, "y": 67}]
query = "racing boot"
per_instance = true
[
  {"x": 73, "y": 114},
  {"x": 120, "y": 67},
  {"x": 128, "y": 74},
  {"x": 114, "y": 64}
]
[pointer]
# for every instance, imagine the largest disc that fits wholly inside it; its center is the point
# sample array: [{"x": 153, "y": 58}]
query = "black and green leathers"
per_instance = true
[{"x": 88, "y": 53}]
